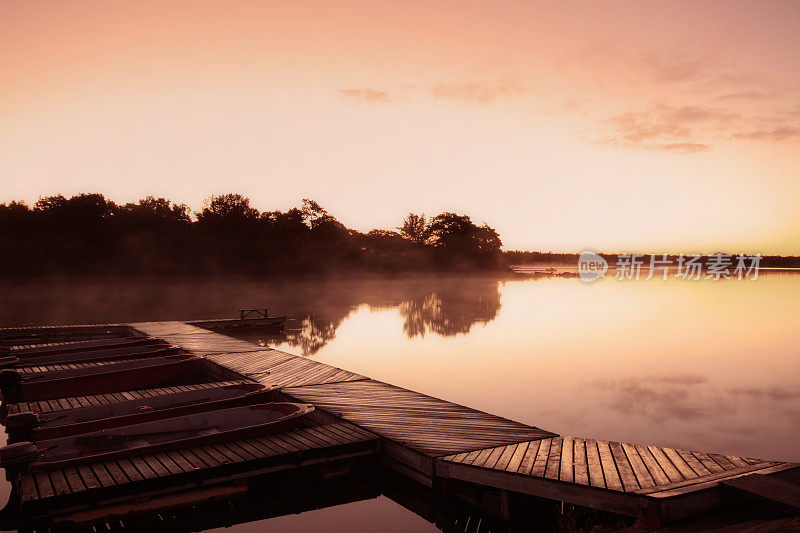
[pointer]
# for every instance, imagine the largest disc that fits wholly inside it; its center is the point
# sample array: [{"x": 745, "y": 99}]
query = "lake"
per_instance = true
[{"x": 705, "y": 365}]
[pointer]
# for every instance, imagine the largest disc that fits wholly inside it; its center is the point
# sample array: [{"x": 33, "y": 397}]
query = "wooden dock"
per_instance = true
[{"x": 428, "y": 440}]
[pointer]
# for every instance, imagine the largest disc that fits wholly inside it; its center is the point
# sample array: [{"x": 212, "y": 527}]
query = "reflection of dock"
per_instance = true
[{"x": 359, "y": 424}]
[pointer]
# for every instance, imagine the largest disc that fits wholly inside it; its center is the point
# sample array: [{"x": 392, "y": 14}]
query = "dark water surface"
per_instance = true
[{"x": 704, "y": 365}]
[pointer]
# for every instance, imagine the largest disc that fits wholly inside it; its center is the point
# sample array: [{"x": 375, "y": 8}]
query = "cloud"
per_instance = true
[
  {"x": 775, "y": 394},
  {"x": 679, "y": 379},
  {"x": 681, "y": 148},
  {"x": 660, "y": 398},
  {"x": 478, "y": 92},
  {"x": 667, "y": 128},
  {"x": 744, "y": 96},
  {"x": 371, "y": 96},
  {"x": 780, "y": 133}
]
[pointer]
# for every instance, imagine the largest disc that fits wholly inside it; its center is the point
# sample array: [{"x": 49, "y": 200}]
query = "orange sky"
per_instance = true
[{"x": 610, "y": 125}]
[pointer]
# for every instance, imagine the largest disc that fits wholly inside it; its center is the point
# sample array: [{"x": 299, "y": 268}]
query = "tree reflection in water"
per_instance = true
[
  {"x": 448, "y": 314},
  {"x": 440, "y": 306},
  {"x": 445, "y": 305},
  {"x": 447, "y": 311}
]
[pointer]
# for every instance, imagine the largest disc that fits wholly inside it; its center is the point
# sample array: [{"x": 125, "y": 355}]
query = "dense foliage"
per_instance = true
[{"x": 89, "y": 234}]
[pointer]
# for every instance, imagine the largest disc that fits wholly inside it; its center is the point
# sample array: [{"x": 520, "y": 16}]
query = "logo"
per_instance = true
[{"x": 591, "y": 266}]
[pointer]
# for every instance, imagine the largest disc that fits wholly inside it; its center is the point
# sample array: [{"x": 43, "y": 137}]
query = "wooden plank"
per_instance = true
[
  {"x": 713, "y": 478},
  {"x": 624, "y": 468},
  {"x": 74, "y": 480},
  {"x": 613, "y": 481},
  {"x": 168, "y": 463},
  {"x": 567, "y": 468},
  {"x": 711, "y": 465},
  {"x": 685, "y": 470},
  {"x": 579, "y": 460},
  {"x": 653, "y": 468},
  {"x": 666, "y": 465},
  {"x": 722, "y": 461},
  {"x": 205, "y": 457},
  {"x": 129, "y": 469},
  {"x": 554, "y": 459},
  {"x": 59, "y": 482},
  {"x": 505, "y": 458},
  {"x": 143, "y": 468},
  {"x": 694, "y": 463},
  {"x": 494, "y": 457},
  {"x": 471, "y": 456},
  {"x": 540, "y": 463},
  {"x": 594, "y": 465},
  {"x": 737, "y": 461},
  {"x": 194, "y": 461},
  {"x": 102, "y": 474},
  {"x": 215, "y": 454},
  {"x": 44, "y": 485},
  {"x": 483, "y": 455},
  {"x": 519, "y": 454},
  {"x": 643, "y": 476},
  {"x": 116, "y": 472},
  {"x": 88, "y": 477}
]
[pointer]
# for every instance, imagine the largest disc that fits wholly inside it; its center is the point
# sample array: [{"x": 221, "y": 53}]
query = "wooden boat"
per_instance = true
[
  {"x": 87, "y": 346},
  {"x": 134, "y": 352},
  {"x": 152, "y": 437},
  {"x": 25, "y": 355},
  {"x": 100, "y": 379},
  {"x": 42, "y": 426}
]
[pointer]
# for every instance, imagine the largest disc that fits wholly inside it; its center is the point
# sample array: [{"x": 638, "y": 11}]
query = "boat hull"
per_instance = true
[
  {"x": 167, "y": 434},
  {"x": 112, "y": 377},
  {"x": 114, "y": 415}
]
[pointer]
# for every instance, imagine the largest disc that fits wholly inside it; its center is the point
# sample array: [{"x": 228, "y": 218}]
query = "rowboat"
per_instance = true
[
  {"x": 86, "y": 346},
  {"x": 134, "y": 352},
  {"x": 151, "y": 437},
  {"x": 100, "y": 379},
  {"x": 42, "y": 426}
]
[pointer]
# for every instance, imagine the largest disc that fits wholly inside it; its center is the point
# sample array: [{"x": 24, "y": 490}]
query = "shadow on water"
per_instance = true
[{"x": 379, "y": 498}]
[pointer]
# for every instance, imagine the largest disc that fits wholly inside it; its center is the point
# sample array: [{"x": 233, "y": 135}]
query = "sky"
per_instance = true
[{"x": 616, "y": 126}]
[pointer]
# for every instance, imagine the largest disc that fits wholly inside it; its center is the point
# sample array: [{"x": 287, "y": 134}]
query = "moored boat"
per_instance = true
[
  {"x": 154, "y": 436},
  {"x": 42, "y": 426},
  {"x": 111, "y": 377},
  {"x": 133, "y": 352},
  {"x": 86, "y": 346}
]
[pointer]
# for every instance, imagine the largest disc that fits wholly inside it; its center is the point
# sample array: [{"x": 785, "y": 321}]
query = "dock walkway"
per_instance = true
[{"x": 426, "y": 439}]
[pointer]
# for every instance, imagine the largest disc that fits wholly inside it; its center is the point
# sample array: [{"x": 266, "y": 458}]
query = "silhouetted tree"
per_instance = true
[
  {"x": 415, "y": 229},
  {"x": 227, "y": 210},
  {"x": 457, "y": 238}
]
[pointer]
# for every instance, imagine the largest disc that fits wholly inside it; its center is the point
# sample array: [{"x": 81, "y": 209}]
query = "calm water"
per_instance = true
[{"x": 704, "y": 365}]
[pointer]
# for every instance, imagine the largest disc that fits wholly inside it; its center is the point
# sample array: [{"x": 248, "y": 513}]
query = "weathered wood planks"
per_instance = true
[
  {"x": 330, "y": 439},
  {"x": 194, "y": 339},
  {"x": 428, "y": 425},
  {"x": 618, "y": 467},
  {"x": 281, "y": 369}
]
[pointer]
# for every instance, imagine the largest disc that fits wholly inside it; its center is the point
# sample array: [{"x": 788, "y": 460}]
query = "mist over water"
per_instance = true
[{"x": 703, "y": 365}]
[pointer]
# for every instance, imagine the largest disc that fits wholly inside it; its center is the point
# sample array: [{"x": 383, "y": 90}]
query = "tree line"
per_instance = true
[{"x": 90, "y": 234}]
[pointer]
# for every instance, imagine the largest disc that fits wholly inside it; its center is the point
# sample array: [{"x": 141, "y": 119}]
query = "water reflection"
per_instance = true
[
  {"x": 700, "y": 365},
  {"x": 444, "y": 307}
]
